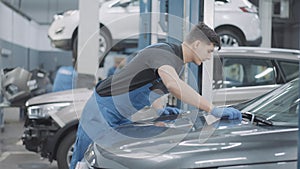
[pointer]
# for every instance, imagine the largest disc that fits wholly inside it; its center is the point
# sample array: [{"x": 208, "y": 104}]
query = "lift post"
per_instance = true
[
  {"x": 298, "y": 16},
  {"x": 182, "y": 15},
  {"x": 88, "y": 37},
  {"x": 145, "y": 24}
]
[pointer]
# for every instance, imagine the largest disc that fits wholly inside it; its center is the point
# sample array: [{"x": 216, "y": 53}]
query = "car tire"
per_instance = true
[
  {"x": 105, "y": 44},
  {"x": 231, "y": 38},
  {"x": 65, "y": 150},
  {"x": 74, "y": 49}
]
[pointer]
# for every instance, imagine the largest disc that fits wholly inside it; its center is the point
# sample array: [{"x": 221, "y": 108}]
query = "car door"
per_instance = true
[
  {"x": 121, "y": 18},
  {"x": 239, "y": 78}
]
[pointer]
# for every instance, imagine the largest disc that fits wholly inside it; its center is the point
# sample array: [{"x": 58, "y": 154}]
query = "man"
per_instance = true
[
  {"x": 153, "y": 72},
  {"x": 118, "y": 63},
  {"x": 65, "y": 79}
]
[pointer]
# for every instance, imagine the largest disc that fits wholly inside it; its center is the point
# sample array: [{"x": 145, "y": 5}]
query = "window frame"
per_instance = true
[{"x": 221, "y": 58}]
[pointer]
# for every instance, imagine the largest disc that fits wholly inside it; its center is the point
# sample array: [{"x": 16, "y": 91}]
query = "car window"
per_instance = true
[
  {"x": 135, "y": 2},
  {"x": 129, "y": 3},
  {"x": 290, "y": 69},
  {"x": 280, "y": 106},
  {"x": 221, "y": 1},
  {"x": 242, "y": 72}
]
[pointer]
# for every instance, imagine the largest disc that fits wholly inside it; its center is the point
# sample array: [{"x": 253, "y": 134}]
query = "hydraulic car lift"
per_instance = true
[{"x": 181, "y": 16}]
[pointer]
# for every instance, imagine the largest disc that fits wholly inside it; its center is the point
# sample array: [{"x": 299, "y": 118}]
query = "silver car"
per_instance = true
[
  {"x": 246, "y": 72},
  {"x": 52, "y": 119},
  {"x": 265, "y": 138}
]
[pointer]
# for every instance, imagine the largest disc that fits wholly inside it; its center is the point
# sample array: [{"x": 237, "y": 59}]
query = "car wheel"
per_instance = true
[
  {"x": 74, "y": 49},
  {"x": 230, "y": 38},
  {"x": 105, "y": 41},
  {"x": 105, "y": 44},
  {"x": 65, "y": 150}
]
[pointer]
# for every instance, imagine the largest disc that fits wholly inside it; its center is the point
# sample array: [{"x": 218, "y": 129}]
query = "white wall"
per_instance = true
[
  {"x": 42, "y": 11},
  {"x": 34, "y": 35},
  {"x": 6, "y": 23},
  {"x": 18, "y": 30},
  {"x": 43, "y": 40}
]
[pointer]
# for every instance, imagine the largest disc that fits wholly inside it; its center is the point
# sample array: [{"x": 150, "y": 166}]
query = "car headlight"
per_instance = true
[
  {"x": 43, "y": 111},
  {"x": 12, "y": 89},
  {"x": 64, "y": 14},
  {"x": 249, "y": 9},
  {"x": 90, "y": 156},
  {"x": 69, "y": 13},
  {"x": 58, "y": 16}
]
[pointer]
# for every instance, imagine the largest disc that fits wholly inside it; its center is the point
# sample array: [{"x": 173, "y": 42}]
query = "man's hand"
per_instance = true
[
  {"x": 169, "y": 111},
  {"x": 227, "y": 112}
]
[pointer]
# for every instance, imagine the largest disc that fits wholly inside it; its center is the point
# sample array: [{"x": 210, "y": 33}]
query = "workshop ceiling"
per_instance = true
[{"x": 41, "y": 11}]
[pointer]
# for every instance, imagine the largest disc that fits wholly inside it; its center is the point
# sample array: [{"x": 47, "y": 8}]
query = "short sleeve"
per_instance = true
[{"x": 158, "y": 57}]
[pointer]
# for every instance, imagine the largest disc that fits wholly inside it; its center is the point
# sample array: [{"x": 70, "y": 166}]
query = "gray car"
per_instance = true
[
  {"x": 52, "y": 119},
  {"x": 244, "y": 73},
  {"x": 265, "y": 138}
]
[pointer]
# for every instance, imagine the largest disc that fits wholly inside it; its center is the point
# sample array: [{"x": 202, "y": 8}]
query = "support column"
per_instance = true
[
  {"x": 192, "y": 16},
  {"x": 145, "y": 24},
  {"x": 154, "y": 21},
  {"x": 175, "y": 26},
  {"x": 207, "y": 73},
  {"x": 265, "y": 14},
  {"x": 299, "y": 120},
  {"x": 88, "y": 37},
  {"x": 297, "y": 5},
  {"x": 175, "y": 21}
]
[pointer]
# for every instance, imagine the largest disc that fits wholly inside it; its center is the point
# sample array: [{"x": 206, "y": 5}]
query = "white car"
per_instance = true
[{"x": 236, "y": 21}]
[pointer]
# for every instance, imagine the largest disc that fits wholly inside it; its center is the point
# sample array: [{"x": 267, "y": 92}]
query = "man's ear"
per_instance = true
[{"x": 196, "y": 44}]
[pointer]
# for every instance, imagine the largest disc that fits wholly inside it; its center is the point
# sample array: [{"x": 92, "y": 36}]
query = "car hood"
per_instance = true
[
  {"x": 75, "y": 95},
  {"x": 237, "y": 145}
]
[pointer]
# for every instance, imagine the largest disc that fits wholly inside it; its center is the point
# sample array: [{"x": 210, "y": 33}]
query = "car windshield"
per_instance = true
[{"x": 279, "y": 106}]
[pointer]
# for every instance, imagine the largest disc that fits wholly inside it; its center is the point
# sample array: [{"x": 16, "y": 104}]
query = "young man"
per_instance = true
[
  {"x": 65, "y": 79},
  {"x": 154, "y": 71}
]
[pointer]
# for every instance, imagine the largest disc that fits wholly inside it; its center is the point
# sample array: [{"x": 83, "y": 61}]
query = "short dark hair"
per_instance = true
[{"x": 203, "y": 33}]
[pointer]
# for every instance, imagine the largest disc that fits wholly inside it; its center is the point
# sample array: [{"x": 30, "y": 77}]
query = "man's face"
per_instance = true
[{"x": 203, "y": 51}]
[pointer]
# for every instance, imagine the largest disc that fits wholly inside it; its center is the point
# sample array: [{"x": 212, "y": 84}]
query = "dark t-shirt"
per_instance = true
[{"x": 142, "y": 69}]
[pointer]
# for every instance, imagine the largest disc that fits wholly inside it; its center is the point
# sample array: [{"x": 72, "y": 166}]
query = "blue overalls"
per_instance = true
[
  {"x": 65, "y": 79},
  {"x": 102, "y": 116}
]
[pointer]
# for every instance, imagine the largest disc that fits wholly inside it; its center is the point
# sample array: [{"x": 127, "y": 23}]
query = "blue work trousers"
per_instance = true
[{"x": 102, "y": 116}]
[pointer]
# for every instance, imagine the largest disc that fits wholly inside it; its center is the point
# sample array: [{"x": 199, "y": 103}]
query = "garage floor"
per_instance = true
[{"x": 13, "y": 154}]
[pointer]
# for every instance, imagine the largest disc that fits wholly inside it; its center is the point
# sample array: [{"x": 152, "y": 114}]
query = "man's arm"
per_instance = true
[
  {"x": 182, "y": 90},
  {"x": 158, "y": 103}
]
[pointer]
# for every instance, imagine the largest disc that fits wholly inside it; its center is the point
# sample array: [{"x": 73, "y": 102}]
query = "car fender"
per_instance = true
[
  {"x": 53, "y": 143},
  {"x": 68, "y": 24},
  {"x": 73, "y": 111},
  {"x": 248, "y": 23},
  {"x": 233, "y": 28}
]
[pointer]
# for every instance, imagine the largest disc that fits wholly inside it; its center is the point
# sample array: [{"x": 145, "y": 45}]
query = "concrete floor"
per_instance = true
[{"x": 13, "y": 154}]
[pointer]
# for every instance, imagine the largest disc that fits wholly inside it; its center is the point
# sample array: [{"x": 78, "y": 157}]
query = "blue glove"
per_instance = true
[
  {"x": 169, "y": 111},
  {"x": 229, "y": 113}
]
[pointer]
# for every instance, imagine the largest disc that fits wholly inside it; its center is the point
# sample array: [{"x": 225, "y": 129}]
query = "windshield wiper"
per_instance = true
[{"x": 254, "y": 118}]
